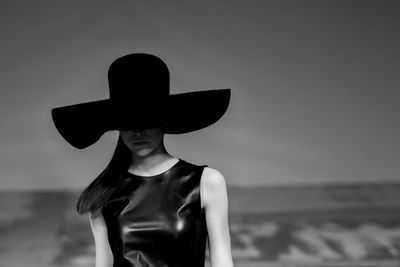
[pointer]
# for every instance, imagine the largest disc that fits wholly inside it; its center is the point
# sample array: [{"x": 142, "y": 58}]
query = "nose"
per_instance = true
[{"x": 138, "y": 131}]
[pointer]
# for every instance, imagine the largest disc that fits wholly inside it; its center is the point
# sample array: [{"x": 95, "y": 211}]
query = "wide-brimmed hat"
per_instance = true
[{"x": 139, "y": 88}]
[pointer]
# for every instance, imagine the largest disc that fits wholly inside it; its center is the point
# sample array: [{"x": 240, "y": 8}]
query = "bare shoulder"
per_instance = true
[
  {"x": 212, "y": 178},
  {"x": 213, "y": 186}
]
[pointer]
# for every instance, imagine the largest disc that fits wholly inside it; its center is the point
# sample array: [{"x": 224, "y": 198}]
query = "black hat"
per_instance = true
[{"x": 139, "y": 97}]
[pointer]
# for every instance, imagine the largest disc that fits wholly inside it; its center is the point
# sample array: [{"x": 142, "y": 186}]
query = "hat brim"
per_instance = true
[{"x": 82, "y": 125}]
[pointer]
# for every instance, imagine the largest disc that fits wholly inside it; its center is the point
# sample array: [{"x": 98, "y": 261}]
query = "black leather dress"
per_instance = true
[{"x": 157, "y": 221}]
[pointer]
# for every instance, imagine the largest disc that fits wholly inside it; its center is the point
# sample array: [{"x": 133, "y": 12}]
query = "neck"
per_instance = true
[{"x": 150, "y": 163}]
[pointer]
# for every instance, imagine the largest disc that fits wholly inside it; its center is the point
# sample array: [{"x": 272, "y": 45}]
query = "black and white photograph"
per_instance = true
[{"x": 200, "y": 133}]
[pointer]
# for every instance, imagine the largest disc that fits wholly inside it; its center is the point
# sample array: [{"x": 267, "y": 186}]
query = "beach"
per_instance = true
[{"x": 307, "y": 225}]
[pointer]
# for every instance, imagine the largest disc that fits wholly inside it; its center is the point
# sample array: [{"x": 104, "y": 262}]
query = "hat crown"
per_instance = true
[{"x": 138, "y": 75}]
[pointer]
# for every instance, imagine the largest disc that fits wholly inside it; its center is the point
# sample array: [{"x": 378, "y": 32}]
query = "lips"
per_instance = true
[{"x": 141, "y": 141}]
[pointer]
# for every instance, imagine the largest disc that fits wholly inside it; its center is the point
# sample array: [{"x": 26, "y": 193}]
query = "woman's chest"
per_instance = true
[{"x": 153, "y": 210}]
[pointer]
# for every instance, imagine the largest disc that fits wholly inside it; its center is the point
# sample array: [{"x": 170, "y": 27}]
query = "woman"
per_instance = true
[{"x": 147, "y": 207}]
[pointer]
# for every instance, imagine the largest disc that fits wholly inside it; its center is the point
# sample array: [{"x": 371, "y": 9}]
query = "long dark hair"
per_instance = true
[{"x": 96, "y": 194}]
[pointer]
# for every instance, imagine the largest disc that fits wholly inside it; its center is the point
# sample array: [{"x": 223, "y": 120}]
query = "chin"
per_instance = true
[{"x": 144, "y": 152}]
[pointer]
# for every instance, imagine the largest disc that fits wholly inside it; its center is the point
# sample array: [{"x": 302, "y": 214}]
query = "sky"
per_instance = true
[{"x": 314, "y": 86}]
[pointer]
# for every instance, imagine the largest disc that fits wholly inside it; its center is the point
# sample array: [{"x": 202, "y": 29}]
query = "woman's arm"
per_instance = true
[
  {"x": 215, "y": 201},
  {"x": 104, "y": 257}
]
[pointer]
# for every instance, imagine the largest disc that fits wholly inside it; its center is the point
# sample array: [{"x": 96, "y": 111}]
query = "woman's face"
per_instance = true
[{"x": 143, "y": 141}]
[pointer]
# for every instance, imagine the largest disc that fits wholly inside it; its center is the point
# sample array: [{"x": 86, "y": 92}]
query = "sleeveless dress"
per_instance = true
[{"x": 158, "y": 221}]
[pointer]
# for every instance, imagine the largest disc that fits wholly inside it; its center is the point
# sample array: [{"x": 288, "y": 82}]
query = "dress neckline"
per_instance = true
[{"x": 156, "y": 175}]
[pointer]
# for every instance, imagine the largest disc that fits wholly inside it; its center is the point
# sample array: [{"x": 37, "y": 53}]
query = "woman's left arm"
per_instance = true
[{"x": 215, "y": 202}]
